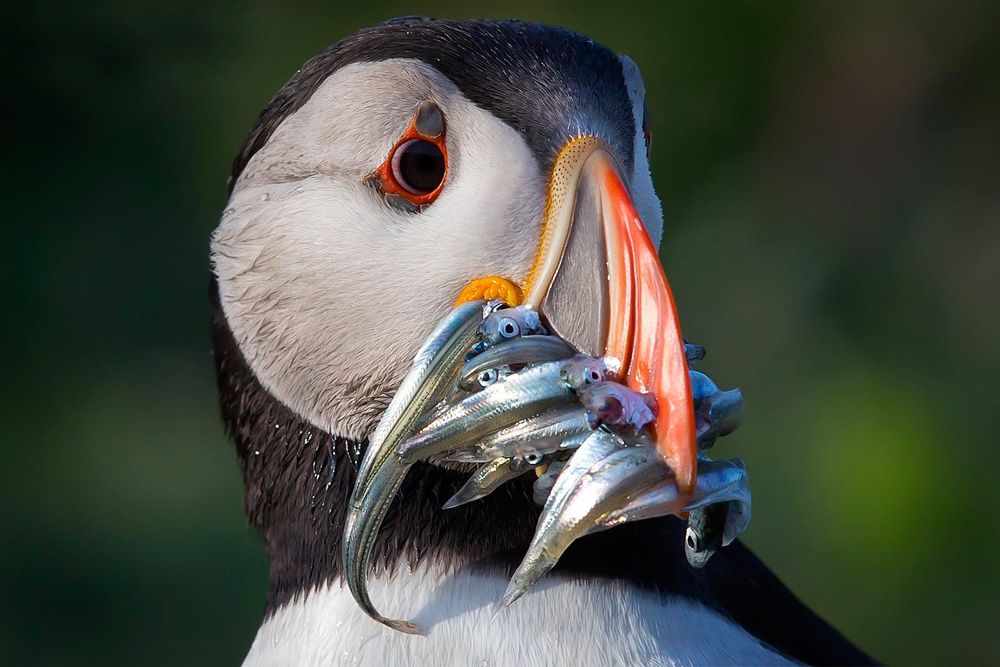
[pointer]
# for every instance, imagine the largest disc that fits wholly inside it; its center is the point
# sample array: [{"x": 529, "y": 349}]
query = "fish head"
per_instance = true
[
  {"x": 617, "y": 405},
  {"x": 704, "y": 533},
  {"x": 583, "y": 371},
  {"x": 506, "y": 323}
]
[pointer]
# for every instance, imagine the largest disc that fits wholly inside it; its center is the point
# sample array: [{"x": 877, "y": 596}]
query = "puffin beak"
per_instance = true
[{"x": 598, "y": 282}]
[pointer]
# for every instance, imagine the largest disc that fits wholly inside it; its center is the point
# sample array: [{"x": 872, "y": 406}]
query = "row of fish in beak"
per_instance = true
[{"x": 491, "y": 387}]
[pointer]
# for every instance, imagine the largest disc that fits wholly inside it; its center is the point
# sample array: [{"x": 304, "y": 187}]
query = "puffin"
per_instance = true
[{"x": 398, "y": 169}]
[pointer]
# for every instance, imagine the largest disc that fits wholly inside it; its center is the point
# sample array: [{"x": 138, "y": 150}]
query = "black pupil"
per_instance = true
[{"x": 420, "y": 167}]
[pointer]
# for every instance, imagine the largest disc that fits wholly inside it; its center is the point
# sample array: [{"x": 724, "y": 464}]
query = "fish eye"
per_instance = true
[
  {"x": 418, "y": 166},
  {"x": 692, "y": 542},
  {"x": 593, "y": 376},
  {"x": 488, "y": 377},
  {"x": 509, "y": 328},
  {"x": 533, "y": 459}
]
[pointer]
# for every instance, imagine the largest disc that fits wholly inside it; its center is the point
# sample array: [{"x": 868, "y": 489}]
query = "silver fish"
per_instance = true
[
  {"x": 595, "y": 447},
  {"x": 718, "y": 482},
  {"x": 720, "y": 414},
  {"x": 517, "y": 397},
  {"x": 609, "y": 484},
  {"x": 432, "y": 372},
  {"x": 730, "y": 520},
  {"x": 530, "y": 349},
  {"x": 488, "y": 478},
  {"x": 540, "y": 434}
]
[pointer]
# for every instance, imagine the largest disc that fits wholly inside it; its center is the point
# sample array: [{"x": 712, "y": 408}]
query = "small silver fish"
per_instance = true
[
  {"x": 609, "y": 484},
  {"x": 488, "y": 478},
  {"x": 504, "y": 403},
  {"x": 432, "y": 372},
  {"x": 718, "y": 482},
  {"x": 595, "y": 447},
  {"x": 718, "y": 415},
  {"x": 734, "y": 495},
  {"x": 532, "y": 349},
  {"x": 617, "y": 405},
  {"x": 540, "y": 434}
]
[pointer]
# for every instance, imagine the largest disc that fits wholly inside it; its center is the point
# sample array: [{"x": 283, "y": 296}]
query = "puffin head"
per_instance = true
[{"x": 409, "y": 167}]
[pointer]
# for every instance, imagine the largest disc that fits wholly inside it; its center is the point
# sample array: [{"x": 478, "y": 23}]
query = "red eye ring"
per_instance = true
[{"x": 423, "y": 151}]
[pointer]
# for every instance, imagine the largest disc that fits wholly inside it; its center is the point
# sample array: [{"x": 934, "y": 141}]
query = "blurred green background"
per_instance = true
[{"x": 831, "y": 179}]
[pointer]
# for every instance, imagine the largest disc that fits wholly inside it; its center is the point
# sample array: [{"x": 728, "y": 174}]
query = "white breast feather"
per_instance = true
[{"x": 560, "y": 622}]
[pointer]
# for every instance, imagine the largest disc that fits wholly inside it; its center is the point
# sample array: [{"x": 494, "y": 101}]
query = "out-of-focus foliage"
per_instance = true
[{"x": 831, "y": 179}]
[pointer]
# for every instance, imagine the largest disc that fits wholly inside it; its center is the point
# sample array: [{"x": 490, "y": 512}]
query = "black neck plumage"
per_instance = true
[{"x": 298, "y": 479}]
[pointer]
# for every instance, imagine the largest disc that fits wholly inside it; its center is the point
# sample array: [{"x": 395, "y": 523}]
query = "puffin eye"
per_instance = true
[
  {"x": 509, "y": 328},
  {"x": 418, "y": 166},
  {"x": 414, "y": 173}
]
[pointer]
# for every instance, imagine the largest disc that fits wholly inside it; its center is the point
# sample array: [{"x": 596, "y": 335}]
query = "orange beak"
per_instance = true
[{"x": 598, "y": 281}]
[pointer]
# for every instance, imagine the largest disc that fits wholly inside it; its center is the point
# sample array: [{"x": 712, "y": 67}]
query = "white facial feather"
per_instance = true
[
  {"x": 328, "y": 290},
  {"x": 560, "y": 622}
]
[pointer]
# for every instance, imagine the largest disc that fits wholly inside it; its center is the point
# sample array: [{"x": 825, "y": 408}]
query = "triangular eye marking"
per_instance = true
[
  {"x": 414, "y": 172},
  {"x": 428, "y": 121}
]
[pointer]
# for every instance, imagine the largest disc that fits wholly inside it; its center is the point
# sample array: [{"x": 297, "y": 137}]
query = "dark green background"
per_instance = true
[{"x": 831, "y": 179}]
